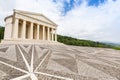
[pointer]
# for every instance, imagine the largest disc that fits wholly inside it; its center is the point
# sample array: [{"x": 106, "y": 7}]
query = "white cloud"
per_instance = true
[
  {"x": 94, "y": 23},
  {"x": 6, "y": 7}
]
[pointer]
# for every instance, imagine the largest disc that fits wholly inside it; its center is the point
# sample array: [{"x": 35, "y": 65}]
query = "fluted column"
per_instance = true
[
  {"x": 43, "y": 36},
  {"x": 15, "y": 34},
  {"x": 52, "y": 35},
  {"x": 24, "y": 29},
  {"x": 38, "y": 29},
  {"x": 55, "y": 35},
  {"x": 48, "y": 33},
  {"x": 31, "y": 31}
]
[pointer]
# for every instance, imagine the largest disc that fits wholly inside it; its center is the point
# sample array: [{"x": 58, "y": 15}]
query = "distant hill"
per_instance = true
[
  {"x": 113, "y": 44},
  {"x": 79, "y": 42}
]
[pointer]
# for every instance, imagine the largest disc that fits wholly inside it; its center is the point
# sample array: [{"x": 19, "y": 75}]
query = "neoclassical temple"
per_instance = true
[{"x": 23, "y": 25}]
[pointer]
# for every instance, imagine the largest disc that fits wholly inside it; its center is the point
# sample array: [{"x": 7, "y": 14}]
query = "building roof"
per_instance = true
[{"x": 30, "y": 13}]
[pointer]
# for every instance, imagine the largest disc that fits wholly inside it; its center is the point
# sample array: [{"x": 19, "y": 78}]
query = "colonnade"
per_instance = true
[{"x": 29, "y": 30}]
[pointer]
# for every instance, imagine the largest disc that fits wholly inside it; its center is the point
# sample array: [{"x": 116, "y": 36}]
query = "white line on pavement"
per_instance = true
[
  {"x": 42, "y": 61},
  {"x": 21, "y": 77},
  {"x": 13, "y": 67},
  {"x": 32, "y": 58},
  {"x": 28, "y": 66},
  {"x": 33, "y": 77}
]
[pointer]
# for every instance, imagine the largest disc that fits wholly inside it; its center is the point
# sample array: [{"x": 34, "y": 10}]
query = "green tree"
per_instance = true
[{"x": 1, "y": 32}]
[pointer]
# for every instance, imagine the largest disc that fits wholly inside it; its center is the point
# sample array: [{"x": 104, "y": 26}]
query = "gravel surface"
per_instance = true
[{"x": 58, "y": 62}]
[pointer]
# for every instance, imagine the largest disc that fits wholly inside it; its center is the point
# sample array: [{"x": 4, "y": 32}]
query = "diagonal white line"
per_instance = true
[
  {"x": 59, "y": 77},
  {"x": 21, "y": 77},
  {"x": 32, "y": 58},
  {"x": 13, "y": 67},
  {"x": 42, "y": 61},
  {"x": 28, "y": 66},
  {"x": 33, "y": 76}
]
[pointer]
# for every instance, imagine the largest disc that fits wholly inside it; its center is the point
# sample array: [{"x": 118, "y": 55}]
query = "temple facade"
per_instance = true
[{"x": 23, "y": 25}]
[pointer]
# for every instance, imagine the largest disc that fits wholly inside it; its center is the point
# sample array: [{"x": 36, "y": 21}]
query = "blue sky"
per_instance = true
[
  {"x": 70, "y": 4},
  {"x": 97, "y": 20}
]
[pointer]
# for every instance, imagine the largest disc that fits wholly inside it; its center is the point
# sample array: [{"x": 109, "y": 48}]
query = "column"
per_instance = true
[
  {"x": 38, "y": 28},
  {"x": 24, "y": 30},
  {"x": 52, "y": 35},
  {"x": 55, "y": 35},
  {"x": 43, "y": 36},
  {"x": 31, "y": 31},
  {"x": 48, "y": 33},
  {"x": 15, "y": 34}
]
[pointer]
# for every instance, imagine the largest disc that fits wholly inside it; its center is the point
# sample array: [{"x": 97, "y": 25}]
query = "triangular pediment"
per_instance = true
[{"x": 36, "y": 16}]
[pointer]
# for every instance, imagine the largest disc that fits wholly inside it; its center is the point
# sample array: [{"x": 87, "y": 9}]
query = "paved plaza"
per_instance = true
[{"x": 58, "y": 62}]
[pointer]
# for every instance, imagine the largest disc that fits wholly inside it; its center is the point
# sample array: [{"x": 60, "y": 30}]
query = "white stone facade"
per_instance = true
[{"x": 23, "y": 25}]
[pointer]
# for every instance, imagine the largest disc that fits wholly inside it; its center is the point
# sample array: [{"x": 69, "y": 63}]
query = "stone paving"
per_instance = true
[{"x": 58, "y": 62}]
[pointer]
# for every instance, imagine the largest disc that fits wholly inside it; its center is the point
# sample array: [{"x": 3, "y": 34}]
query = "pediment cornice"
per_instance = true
[{"x": 35, "y": 14}]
